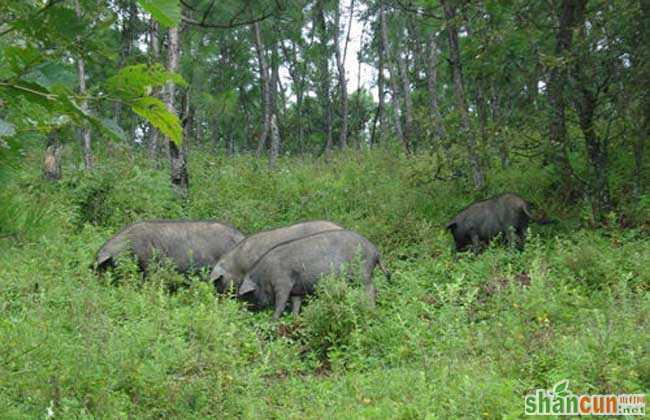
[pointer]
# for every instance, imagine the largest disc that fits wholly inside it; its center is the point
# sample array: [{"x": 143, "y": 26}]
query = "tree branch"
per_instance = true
[
  {"x": 230, "y": 25},
  {"x": 411, "y": 9},
  {"x": 184, "y": 3},
  {"x": 207, "y": 12}
]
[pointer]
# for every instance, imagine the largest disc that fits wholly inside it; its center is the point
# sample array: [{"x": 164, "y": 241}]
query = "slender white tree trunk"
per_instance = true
[
  {"x": 154, "y": 45},
  {"x": 85, "y": 131},
  {"x": 275, "y": 143},
  {"x": 432, "y": 85},
  {"x": 266, "y": 87},
  {"x": 340, "y": 65},
  {"x": 393, "y": 79},
  {"x": 326, "y": 100},
  {"x": 179, "y": 175}
]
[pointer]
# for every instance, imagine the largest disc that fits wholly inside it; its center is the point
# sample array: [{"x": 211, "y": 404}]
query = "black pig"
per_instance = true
[{"x": 507, "y": 214}]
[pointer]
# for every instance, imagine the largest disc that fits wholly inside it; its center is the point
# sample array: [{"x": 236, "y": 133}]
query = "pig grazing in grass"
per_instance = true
[
  {"x": 231, "y": 269},
  {"x": 292, "y": 269},
  {"x": 189, "y": 245},
  {"x": 507, "y": 214}
]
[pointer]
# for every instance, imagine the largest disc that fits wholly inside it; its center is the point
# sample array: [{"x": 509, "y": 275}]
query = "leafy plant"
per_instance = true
[{"x": 337, "y": 311}]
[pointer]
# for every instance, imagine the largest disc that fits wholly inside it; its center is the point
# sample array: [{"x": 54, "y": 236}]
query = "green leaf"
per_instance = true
[
  {"x": 50, "y": 74},
  {"x": 166, "y": 12},
  {"x": 154, "y": 110},
  {"x": 7, "y": 129},
  {"x": 62, "y": 23},
  {"x": 20, "y": 57},
  {"x": 135, "y": 81},
  {"x": 111, "y": 128},
  {"x": 32, "y": 92}
]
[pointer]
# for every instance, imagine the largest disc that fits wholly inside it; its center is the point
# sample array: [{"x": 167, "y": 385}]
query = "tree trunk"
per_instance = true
[
  {"x": 126, "y": 41},
  {"x": 274, "y": 149},
  {"x": 275, "y": 143},
  {"x": 187, "y": 120},
  {"x": 300, "y": 90},
  {"x": 326, "y": 100},
  {"x": 639, "y": 150},
  {"x": 597, "y": 152},
  {"x": 408, "y": 101},
  {"x": 557, "y": 84},
  {"x": 586, "y": 102},
  {"x": 381, "y": 90},
  {"x": 277, "y": 95},
  {"x": 266, "y": 88},
  {"x": 179, "y": 175},
  {"x": 483, "y": 117},
  {"x": 340, "y": 65},
  {"x": 279, "y": 90},
  {"x": 52, "y": 158},
  {"x": 432, "y": 85},
  {"x": 393, "y": 79},
  {"x": 414, "y": 47},
  {"x": 154, "y": 47},
  {"x": 482, "y": 110},
  {"x": 502, "y": 147},
  {"x": 643, "y": 58},
  {"x": 85, "y": 131},
  {"x": 232, "y": 149},
  {"x": 400, "y": 54},
  {"x": 297, "y": 79},
  {"x": 459, "y": 93}
]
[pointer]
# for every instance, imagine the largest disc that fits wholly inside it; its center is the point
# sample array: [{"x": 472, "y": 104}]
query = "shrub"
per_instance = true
[{"x": 331, "y": 318}]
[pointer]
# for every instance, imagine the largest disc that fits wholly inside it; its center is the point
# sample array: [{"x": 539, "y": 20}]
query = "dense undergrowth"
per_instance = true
[{"x": 452, "y": 336}]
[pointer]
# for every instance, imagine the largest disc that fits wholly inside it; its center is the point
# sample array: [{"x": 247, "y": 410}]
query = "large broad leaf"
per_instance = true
[
  {"x": 7, "y": 129},
  {"x": 154, "y": 110},
  {"x": 135, "y": 81},
  {"x": 18, "y": 58},
  {"x": 50, "y": 74},
  {"x": 61, "y": 23},
  {"x": 167, "y": 12},
  {"x": 32, "y": 92},
  {"x": 68, "y": 104},
  {"x": 111, "y": 128}
]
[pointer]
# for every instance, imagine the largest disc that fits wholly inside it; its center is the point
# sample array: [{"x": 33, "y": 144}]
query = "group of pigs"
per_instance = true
[
  {"x": 273, "y": 267},
  {"x": 266, "y": 269}
]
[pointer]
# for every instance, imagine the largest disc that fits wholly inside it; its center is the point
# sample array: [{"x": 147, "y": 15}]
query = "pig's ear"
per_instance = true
[
  {"x": 102, "y": 258},
  {"x": 101, "y": 262},
  {"x": 451, "y": 225},
  {"x": 246, "y": 287},
  {"x": 217, "y": 272}
]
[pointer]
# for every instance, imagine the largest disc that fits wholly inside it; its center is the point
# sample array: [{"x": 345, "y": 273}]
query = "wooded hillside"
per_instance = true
[{"x": 387, "y": 117}]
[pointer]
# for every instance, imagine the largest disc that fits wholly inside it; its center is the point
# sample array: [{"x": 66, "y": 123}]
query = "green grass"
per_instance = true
[{"x": 452, "y": 336}]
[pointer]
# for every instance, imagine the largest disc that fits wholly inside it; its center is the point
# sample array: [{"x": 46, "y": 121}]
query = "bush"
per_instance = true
[{"x": 337, "y": 311}]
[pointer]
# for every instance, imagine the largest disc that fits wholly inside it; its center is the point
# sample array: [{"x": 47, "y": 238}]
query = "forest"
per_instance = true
[{"x": 383, "y": 118}]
